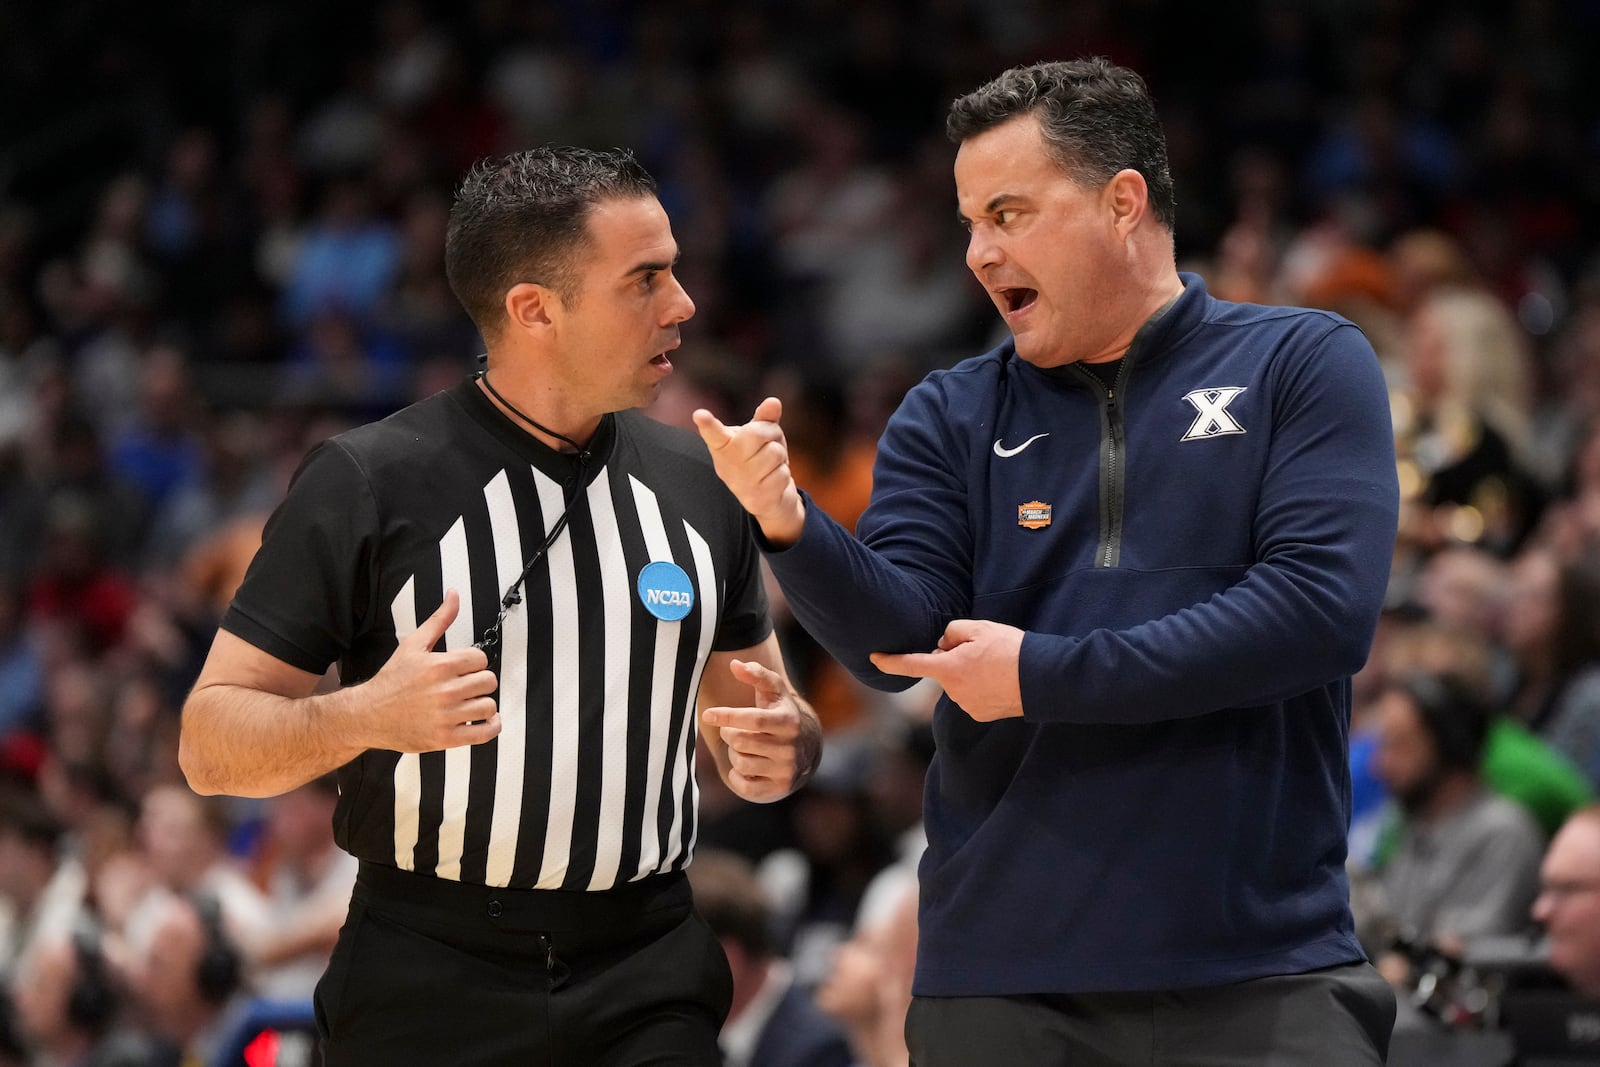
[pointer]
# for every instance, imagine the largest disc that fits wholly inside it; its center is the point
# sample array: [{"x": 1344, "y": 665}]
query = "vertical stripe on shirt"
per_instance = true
[
  {"x": 456, "y": 567},
  {"x": 510, "y": 754},
  {"x": 683, "y": 780},
  {"x": 408, "y": 769},
  {"x": 565, "y": 652},
  {"x": 618, "y": 608},
  {"x": 662, "y": 673}
]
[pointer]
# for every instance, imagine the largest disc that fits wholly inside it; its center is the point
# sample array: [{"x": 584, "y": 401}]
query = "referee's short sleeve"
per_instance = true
[
  {"x": 309, "y": 590},
  {"x": 746, "y": 621}
]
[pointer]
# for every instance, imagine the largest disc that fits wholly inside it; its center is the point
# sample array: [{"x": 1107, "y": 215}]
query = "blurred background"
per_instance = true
[{"x": 221, "y": 240}]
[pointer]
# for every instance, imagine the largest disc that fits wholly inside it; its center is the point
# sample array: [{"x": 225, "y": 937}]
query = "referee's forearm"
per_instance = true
[{"x": 245, "y": 742}]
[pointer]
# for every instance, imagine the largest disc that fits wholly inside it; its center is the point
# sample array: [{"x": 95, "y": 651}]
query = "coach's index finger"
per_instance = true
[
  {"x": 906, "y": 664},
  {"x": 712, "y": 431}
]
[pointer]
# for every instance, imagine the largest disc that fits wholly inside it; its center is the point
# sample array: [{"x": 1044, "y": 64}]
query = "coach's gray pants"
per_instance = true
[{"x": 1339, "y": 1017}]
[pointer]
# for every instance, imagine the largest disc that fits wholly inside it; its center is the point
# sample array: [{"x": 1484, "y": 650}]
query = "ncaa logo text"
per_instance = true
[
  {"x": 665, "y": 591},
  {"x": 1213, "y": 419}
]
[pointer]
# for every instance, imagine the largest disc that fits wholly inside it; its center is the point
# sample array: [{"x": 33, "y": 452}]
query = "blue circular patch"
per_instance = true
[{"x": 665, "y": 591}]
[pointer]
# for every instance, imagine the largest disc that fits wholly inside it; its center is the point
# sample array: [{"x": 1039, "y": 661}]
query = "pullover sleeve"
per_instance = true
[
  {"x": 896, "y": 586},
  {"x": 1304, "y": 613}
]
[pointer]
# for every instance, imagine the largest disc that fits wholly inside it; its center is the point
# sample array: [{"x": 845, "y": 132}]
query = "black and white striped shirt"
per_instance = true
[{"x": 591, "y": 781}]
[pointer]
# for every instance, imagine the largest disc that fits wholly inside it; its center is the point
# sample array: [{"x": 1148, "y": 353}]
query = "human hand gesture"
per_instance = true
[
  {"x": 977, "y": 662},
  {"x": 773, "y": 746},
  {"x": 422, "y": 700},
  {"x": 753, "y": 462}
]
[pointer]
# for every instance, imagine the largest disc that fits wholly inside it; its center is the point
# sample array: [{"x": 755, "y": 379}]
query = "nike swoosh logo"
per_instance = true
[{"x": 1006, "y": 453}]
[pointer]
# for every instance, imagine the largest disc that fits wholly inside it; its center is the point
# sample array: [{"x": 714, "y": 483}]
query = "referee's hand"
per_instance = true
[
  {"x": 753, "y": 462},
  {"x": 424, "y": 701},
  {"x": 772, "y": 747}
]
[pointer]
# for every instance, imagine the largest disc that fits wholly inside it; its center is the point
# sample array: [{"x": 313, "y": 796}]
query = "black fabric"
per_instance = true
[
  {"x": 1106, "y": 372},
  {"x": 522, "y": 978},
  {"x": 451, "y": 494},
  {"x": 1338, "y": 1017}
]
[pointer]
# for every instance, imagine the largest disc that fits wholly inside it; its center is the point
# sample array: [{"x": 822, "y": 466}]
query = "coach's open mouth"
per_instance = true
[{"x": 1017, "y": 299}]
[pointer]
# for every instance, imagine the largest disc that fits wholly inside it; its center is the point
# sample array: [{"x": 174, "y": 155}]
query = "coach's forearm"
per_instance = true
[{"x": 249, "y": 743}]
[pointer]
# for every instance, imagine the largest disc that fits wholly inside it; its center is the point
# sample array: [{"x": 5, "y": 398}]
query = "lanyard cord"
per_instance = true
[
  {"x": 483, "y": 376},
  {"x": 491, "y": 638}
]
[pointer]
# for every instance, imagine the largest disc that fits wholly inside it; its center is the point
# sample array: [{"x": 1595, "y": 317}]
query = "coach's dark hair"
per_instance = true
[
  {"x": 1097, "y": 119},
  {"x": 524, "y": 218}
]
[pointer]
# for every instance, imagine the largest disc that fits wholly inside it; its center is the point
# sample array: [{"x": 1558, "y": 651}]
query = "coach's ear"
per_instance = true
[{"x": 531, "y": 307}]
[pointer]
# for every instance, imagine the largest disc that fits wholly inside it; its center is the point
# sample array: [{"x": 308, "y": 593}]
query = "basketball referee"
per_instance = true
[{"x": 532, "y": 592}]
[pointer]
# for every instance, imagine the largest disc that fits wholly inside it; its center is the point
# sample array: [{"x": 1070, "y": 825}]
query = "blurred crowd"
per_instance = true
[{"x": 221, "y": 234}]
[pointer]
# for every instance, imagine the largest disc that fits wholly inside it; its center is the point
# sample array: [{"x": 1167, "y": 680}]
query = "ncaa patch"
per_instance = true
[
  {"x": 665, "y": 590},
  {"x": 1034, "y": 515}
]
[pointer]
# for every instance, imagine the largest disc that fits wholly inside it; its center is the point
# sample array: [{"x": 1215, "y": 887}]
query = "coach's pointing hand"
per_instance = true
[
  {"x": 753, "y": 461},
  {"x": 976, "y": 662}
]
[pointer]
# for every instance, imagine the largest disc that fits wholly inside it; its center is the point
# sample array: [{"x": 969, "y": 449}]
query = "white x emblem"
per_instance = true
[{"x": 1213, "y": 420}]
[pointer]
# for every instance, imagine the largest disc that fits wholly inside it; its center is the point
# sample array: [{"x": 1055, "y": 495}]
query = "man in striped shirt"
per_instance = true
[{"x": 533, "y": 593}]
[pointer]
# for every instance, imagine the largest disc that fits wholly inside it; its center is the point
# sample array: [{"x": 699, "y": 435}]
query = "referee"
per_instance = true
[{"x": 532, "y": 592}]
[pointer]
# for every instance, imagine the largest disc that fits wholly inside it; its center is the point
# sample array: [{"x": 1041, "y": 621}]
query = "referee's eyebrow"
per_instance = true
[{"x": 646, "y": 268}]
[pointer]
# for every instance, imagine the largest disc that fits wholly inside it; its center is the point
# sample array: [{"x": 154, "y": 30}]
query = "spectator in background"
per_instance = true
[
  {"x": 1465, "y": 862},
  {"x": 1568, "y": 905},
  {"x": 346, "y": 261},
  {"x": 76, "y": 591},
  {"x": 868, "y": 985},
  {"x": 840, "y": 846},
  {"x": 772, "y": 1022},
  {"x": 308, "y": 879},
  {"x": 183, "y": 840},
  {"x": 71, "y": 1007},
  {"x": 41, "y": 893},
  {"x": 1517, "y": 763},
  {"x": 1424, "y": 261},
  {"x": 21, "y": 666},
  {"x": 68, "y": 463},
  {"x": 343, "y": 364},
  {"x": 187, "y": 978},
  {"x": 1463, "y": 424},
  {"x": 1552, "y": 627},
  {"x": 236, "y": 480},
  {"x": 159, "y": 450}
]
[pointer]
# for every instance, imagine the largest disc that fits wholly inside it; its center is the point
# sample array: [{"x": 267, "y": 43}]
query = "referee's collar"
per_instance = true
[{"x": 557, "y": 464}]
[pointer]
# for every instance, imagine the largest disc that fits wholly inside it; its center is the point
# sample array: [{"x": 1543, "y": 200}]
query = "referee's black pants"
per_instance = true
[{"x": 429, "y": 971}]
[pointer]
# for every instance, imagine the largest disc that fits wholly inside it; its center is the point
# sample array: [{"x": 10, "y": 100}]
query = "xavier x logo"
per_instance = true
[{"x": 1213, "y": 420}]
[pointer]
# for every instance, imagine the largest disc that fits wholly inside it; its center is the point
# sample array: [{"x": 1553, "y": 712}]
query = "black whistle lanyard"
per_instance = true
[{"x": 490, "y": 641}]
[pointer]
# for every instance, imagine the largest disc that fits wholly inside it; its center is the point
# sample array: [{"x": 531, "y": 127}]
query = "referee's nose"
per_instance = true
[{"x": 679, "y": 305}]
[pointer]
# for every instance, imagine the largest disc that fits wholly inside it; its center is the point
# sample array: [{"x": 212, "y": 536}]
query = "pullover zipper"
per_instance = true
[{"x": 1108, "y": 553}]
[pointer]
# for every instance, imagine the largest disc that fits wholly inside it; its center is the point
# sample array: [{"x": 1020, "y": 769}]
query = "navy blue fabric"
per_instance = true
[{"x": 1171, "y": 809}]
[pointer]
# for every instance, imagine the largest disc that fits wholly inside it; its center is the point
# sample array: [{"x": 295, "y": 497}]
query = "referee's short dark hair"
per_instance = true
[
  {"x": 524, "y": 218},
  {"x": 732, "y": 901},
  {"x": 1097, "y": 118}
]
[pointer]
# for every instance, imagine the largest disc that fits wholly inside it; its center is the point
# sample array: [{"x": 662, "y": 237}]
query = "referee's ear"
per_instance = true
[{"x": 531, "y": 308}]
